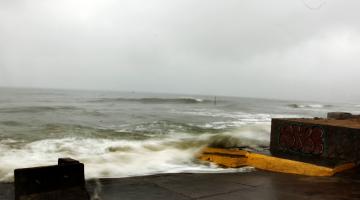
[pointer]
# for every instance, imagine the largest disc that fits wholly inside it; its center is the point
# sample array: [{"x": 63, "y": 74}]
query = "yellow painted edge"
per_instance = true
[
  {"x": 287, "y": 166},
  {"x": 238, "y": 158}
]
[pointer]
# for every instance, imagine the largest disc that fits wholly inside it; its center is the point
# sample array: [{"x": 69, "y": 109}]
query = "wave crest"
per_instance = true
[
  {"x": 181, "y": 100},
  {"x": 308, "y": 106}
]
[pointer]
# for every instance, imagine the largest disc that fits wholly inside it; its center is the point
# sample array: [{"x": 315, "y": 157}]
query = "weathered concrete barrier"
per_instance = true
[
  {"x": 333, "y": 140},
  {"x": 312, "y": 147},
  {"x": 65, "y": 181}
]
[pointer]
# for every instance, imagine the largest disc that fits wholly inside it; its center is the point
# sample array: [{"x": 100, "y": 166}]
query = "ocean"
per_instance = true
[{"x": 122, "y": 134}]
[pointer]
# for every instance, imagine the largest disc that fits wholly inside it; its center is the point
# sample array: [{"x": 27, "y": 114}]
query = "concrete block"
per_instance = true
[
  {"x": 64, "y": 181},
  {"x": 329, "y": 141}
]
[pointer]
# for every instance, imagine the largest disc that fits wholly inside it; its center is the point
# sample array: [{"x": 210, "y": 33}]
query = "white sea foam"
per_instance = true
[
  {"x": 192, "y": 98},
  {"x": 309, "y": 106},
  {"x": 122, "y": 158},
  {"x": 234, "y": 119},
  {"x": 233, "y": 115}
]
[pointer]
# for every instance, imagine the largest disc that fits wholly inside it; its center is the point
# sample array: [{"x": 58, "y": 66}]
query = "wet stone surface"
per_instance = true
[{"x": 251, "y": 185}]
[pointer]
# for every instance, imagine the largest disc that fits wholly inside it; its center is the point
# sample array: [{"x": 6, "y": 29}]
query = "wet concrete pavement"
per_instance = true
[{"x": 251, "y": 185}]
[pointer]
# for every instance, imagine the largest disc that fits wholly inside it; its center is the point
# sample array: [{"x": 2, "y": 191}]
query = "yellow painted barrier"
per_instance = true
[{"x": 238, "y": 158}]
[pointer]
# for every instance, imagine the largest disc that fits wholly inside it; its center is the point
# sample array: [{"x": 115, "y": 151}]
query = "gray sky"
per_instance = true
[{"x": 299, "y": 49}]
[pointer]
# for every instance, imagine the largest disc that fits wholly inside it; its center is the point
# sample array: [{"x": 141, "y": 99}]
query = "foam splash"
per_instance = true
[
  {"x": 316, "y": 106},
  {"x": 233, "y": 119},
  {"x": 123, "y": 158}
]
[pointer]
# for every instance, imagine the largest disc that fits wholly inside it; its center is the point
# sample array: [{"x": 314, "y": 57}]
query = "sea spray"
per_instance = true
[{"x": 122, "y": 158}]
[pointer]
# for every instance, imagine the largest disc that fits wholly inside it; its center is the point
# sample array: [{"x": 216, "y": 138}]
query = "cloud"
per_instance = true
[{"x": 243, "y": 48}]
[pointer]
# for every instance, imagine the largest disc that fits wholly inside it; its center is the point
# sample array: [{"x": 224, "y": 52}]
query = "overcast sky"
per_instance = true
[{"x": 297, "y": 49}]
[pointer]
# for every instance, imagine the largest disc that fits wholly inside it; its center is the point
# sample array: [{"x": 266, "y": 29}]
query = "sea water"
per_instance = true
[{"x": 120, "y": 134}]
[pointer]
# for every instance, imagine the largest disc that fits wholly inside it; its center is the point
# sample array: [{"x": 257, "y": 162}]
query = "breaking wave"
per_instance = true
[
  {"x": 308, "y": 106},
  {"x": 123, "y": 157},
  {"x": 181, "y": 100}
]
